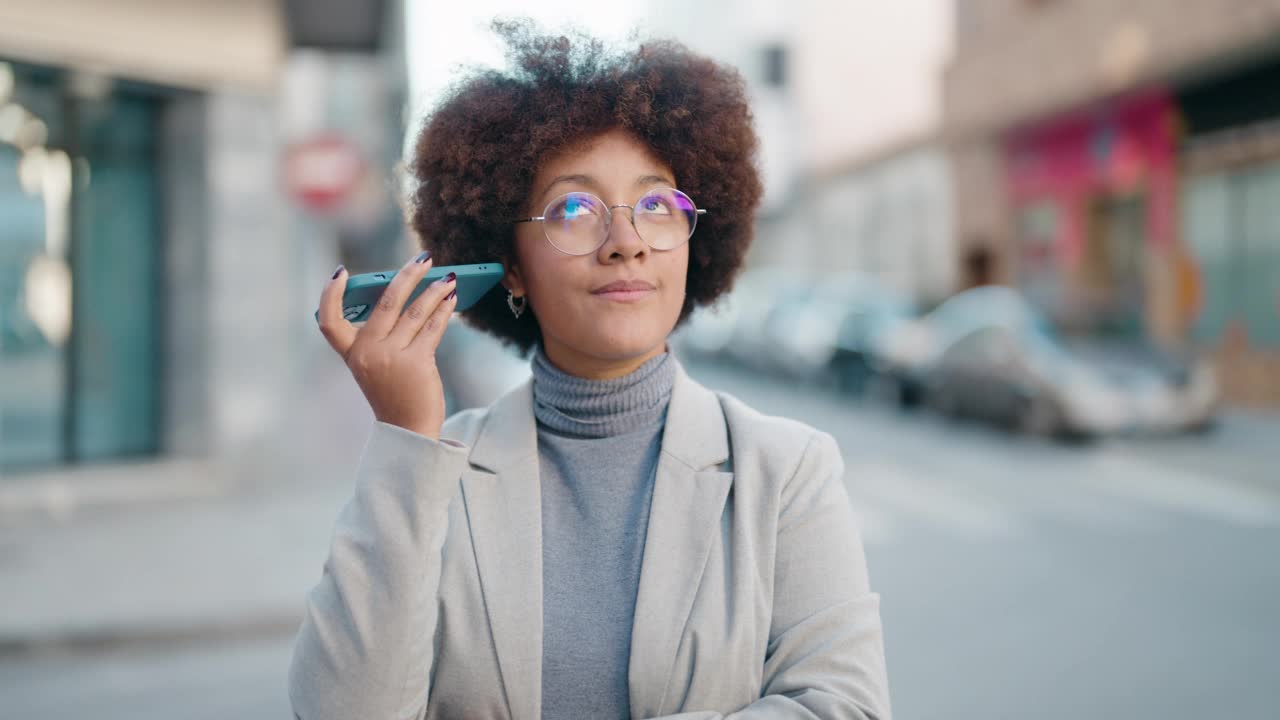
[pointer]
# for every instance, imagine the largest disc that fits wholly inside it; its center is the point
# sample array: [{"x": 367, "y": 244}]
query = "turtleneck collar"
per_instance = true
[{"x": 584, "y": 408}]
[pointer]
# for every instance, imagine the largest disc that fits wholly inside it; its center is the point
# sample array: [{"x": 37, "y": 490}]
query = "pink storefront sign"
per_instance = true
[{"x": 1121, "y": 147}]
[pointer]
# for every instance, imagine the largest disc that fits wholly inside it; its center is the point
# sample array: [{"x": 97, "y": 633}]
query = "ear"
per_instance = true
[{"x": 513, "y": 280}]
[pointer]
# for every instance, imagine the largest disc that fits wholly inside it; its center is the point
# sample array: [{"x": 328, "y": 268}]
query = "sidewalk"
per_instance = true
[
  {"x": 231, "y": 565},
  {"x": 174, "y": 551},
  {"x": 1241, "y": 448},
  {"x": 185, "y": 551}
]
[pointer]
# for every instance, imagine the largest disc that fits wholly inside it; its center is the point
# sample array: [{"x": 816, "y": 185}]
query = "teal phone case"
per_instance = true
[{"x": 363, "y": 290}]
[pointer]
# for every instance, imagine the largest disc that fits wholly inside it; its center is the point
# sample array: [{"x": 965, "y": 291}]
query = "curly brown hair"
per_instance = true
[{"x": 477, "y": 154}]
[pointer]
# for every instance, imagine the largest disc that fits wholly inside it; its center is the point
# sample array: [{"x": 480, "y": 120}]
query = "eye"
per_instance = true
[
  {"x": 574, "y": 206},
  {"x": 655, "y": 204}
]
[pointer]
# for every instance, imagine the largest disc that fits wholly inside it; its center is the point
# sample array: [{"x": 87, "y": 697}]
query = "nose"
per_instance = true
[{"x": 622, "y": 242}]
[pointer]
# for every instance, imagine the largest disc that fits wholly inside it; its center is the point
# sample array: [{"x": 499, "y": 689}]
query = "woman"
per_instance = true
[{"x": 611, "y": 539}]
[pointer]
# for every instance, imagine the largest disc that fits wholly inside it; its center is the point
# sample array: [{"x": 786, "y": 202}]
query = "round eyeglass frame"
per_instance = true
[{"x": 608, "y": 219}]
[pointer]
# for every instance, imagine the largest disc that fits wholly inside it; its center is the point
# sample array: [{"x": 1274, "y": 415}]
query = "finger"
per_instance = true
[
  {"x": 418, "y": 312},
  {"x": 391, "y": 303},
  {"x": 340, "y": 333},
  {"x": 428, "y": 338}
]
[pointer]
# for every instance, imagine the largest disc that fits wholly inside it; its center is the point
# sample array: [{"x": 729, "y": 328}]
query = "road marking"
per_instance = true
[
  {"x": 939, "y": 505},
  {"x": 1120, "y": 474},
  {"x": 1045, "y": 480},
  {"x": 876, "y": 523},
  {"x": 1020, "y": 486}
]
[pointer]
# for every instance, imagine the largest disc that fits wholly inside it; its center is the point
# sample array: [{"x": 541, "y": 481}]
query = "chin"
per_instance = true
[
  {"x": 625, "y": 350},
  {"x": 620, "y": 343}
]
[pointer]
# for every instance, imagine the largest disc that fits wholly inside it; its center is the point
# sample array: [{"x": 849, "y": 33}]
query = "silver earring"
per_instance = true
[{"x": 511, "y": 303}]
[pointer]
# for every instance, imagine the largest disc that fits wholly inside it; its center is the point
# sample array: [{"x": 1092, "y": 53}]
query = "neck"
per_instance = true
[
  {"x": 589, "y": 408},
  {"x": 590, "y": 367}
]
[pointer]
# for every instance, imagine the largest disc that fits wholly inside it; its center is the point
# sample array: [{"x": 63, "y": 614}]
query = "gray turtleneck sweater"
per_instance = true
[{"x": 598, "y": 443}]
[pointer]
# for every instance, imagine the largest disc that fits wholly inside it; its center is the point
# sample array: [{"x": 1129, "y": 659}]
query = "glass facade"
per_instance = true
[
  {"x": 1094, "y": 191},
  {"x": 35, "y": 293},
  {"x": 1232, "y": 226},
  {"x": 79, "y": 267}
]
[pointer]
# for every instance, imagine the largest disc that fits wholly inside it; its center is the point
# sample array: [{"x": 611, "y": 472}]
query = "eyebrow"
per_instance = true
[{"x": 591, "y": 181}]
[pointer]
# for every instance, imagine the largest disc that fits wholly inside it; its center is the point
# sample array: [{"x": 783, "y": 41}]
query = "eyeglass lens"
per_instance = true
[{"x": 578, "y": 222}]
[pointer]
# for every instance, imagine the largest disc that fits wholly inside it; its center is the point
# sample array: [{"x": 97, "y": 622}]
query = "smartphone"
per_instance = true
[{"x": 363, "y": 291}]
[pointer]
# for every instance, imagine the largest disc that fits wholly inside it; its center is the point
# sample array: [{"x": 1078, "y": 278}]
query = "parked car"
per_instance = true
[
  {"x": 1015, "y": 377},
  {"x": 1010, "y": 369},
  {"x": 822, "y": 331},
  {"x": 798, "y": 330},
  {"x": 872, "y": 316},
  {"x": 710, "y": 331},
  {"x": 707, "y": 332},
  {"x": 1169, "y": 391},
  {"x": 903, "y": 356},
  {"x": 754, "y": 297}
]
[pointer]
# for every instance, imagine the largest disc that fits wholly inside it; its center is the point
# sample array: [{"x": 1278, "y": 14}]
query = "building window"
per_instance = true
[
  {"x": 968, "y": 18},
  {"x": 1230, "y": 222},
  {"x": 775, "y": 66},
  {"x": 1039, "y": 226},
  {"x": 79, "y": 269}
]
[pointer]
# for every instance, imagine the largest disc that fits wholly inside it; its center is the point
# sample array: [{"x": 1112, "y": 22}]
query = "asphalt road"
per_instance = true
[{"x": 1019, "y": 579}]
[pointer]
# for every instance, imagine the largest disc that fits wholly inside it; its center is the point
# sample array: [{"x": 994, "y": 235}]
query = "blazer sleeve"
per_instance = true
[
  {"x": 825, "y": 657},
  {"x": 367, "y": 633}
]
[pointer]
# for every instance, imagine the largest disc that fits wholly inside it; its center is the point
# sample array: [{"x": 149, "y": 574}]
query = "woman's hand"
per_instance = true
[{"x": 393, "y": 357}]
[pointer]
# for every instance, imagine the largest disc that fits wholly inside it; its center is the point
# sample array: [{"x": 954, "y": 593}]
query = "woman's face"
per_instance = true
[{"x": 586, "y": 330}]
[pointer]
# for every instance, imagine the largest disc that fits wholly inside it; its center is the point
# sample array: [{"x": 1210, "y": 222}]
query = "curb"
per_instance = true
[
  {"x": 63, "y": 492},
  {"x": 109, "y": 639}
]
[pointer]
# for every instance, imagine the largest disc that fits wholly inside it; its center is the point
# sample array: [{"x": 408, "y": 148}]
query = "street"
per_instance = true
[
  {"x": 1019, "y": 579},
  {"x": 1024, "y": 579}
]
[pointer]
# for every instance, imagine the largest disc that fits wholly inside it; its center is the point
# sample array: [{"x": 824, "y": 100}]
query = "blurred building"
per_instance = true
[
  {"x": 1120, "y": 162},
  {"x": 846, "y": 103},
  {"x": 758, "y": 38},
  {"x": 889, "y": 215},
  {"x": 157, "y": 275}
]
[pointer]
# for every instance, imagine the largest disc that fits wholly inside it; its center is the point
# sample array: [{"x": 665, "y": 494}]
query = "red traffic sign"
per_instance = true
[{"x": 321, "y": 172}]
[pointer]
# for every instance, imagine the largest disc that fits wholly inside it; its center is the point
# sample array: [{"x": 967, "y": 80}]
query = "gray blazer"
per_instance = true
[{"x": 753, "y": 598}]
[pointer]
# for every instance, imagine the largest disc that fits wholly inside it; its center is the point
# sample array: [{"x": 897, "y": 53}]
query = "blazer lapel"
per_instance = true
[
  {"x": 504, "y": 511},
  {"x": 689, "y": 494}
]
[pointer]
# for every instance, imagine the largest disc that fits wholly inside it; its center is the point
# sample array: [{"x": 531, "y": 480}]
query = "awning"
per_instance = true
[
  {"x": 349, "y": 25},
  {"x": 198, "y": 44}
]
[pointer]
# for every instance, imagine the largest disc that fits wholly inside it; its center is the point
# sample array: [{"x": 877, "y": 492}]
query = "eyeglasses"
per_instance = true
[{"x": 577, "y": 223}]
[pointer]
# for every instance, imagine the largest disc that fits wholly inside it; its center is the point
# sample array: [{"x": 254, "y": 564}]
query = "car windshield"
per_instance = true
[
  {"x": 987, "y": 307},
  {"x": 1044, "y": 345},
  {"x": 1003, "y": 308}
]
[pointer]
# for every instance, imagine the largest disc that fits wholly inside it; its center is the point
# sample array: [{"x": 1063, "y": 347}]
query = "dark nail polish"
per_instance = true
[
  {"x": 452, "y": 294},
  {"x": 338, "y": 272},
  {"x": 423, "y": 256},
  {"x": 450, "y": 277}
]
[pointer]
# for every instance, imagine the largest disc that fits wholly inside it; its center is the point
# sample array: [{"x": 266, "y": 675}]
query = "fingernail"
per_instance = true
[
  {"x": 338, "y": 272},
  {"x": 422, "y": 257},
  {"x": 452, "y": 294},
  {"x": 450, "y": 277}
]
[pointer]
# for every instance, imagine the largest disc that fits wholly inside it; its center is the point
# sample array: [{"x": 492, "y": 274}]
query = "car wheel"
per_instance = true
[
  {"x": 885, "y": 389},
  {"x": 1038, "y": 416},
  {"x": 946, "y": 402},
  {"x": 851, "y": 376},
  {"x": 910, "y": 394},
  {"x": 1204, "y": 426}
]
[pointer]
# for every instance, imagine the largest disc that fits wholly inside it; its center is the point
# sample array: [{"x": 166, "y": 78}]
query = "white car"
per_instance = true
[
  {"x": 1007, "y": 367},
  {"x": 826, "y": 330},
  {"x": 903, "y": 356}
]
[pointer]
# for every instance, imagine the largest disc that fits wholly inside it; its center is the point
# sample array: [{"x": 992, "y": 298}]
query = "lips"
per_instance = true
[{"x": 624, "y": 286}]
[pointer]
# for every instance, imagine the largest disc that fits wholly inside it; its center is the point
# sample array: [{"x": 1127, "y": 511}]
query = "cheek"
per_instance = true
[
  {"x": 555, "y": 281},
  {"x": 558, "y": 283},
  {"x": 677, "y": 273},
  {"x": 536, "y": 265}
]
